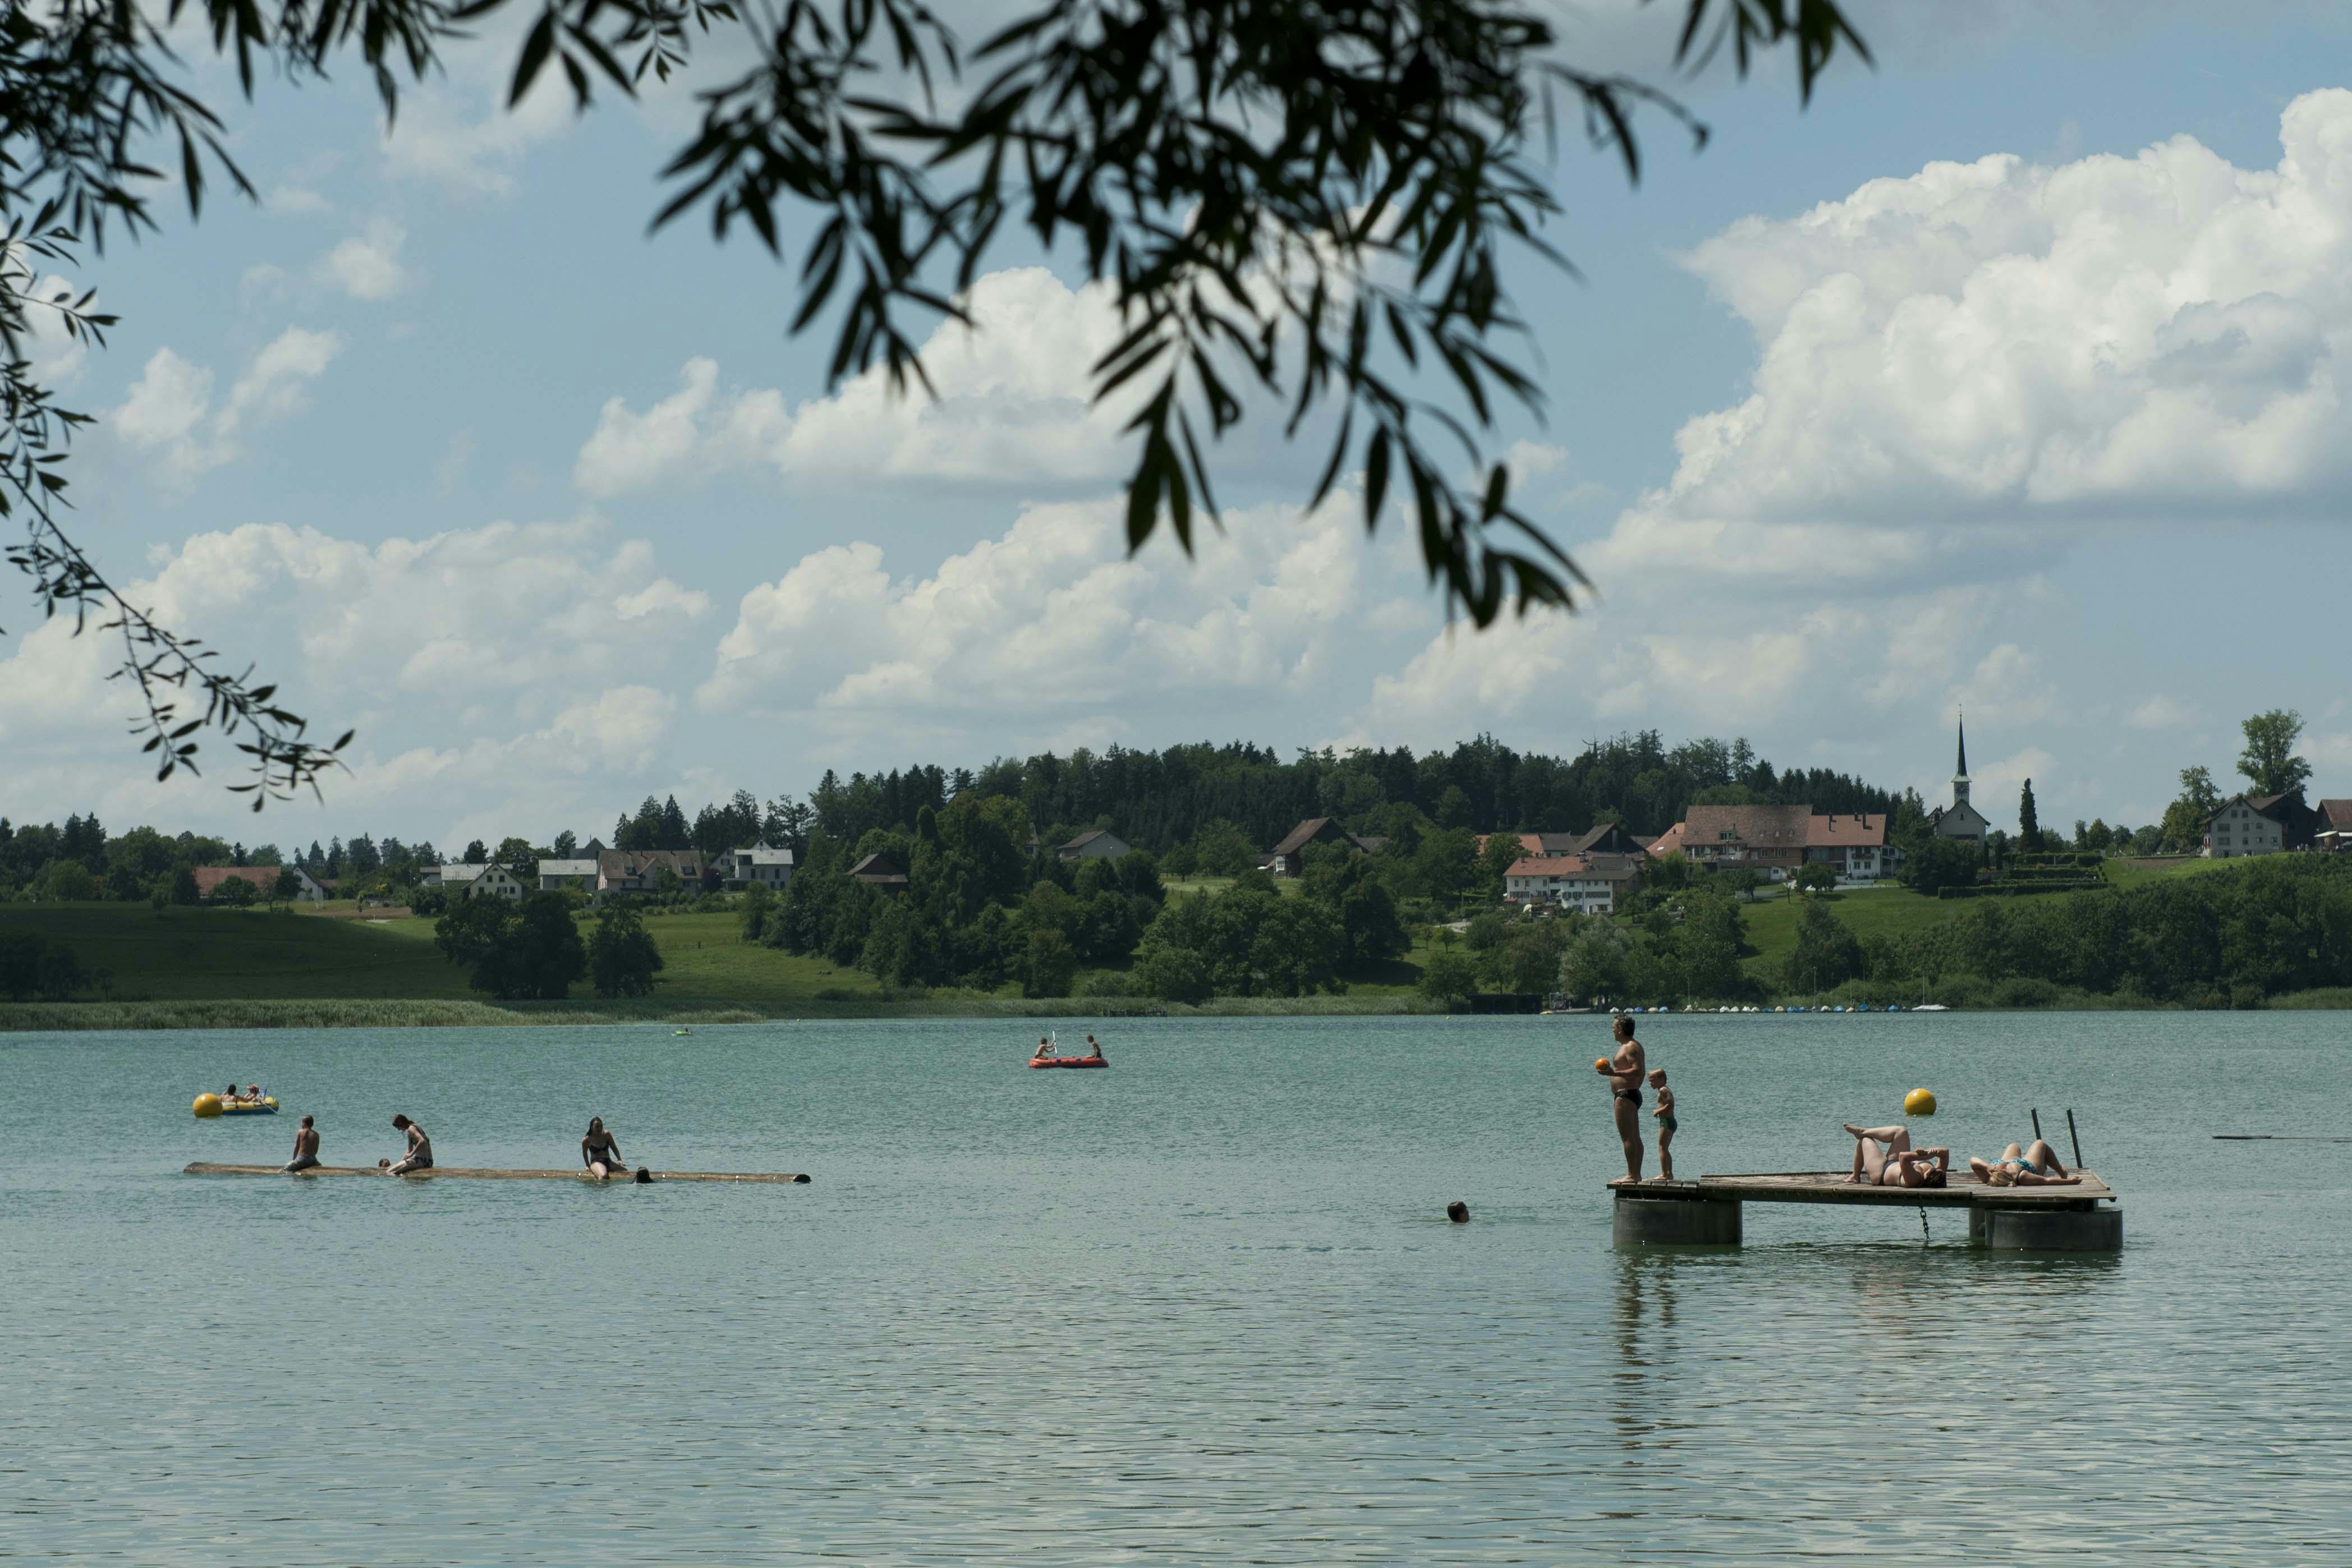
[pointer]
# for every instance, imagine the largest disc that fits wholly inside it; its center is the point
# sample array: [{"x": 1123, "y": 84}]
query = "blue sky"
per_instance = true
[{"x": 2003, "y": 378}]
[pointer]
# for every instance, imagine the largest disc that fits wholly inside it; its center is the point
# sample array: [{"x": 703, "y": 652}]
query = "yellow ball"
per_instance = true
[
  {"x": 208, "y": 1105},
  {"x": 1599, "y": 1063},
  {"x": 1919, "y": 1102}
]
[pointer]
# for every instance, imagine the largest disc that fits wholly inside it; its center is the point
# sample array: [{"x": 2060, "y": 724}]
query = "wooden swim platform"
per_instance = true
[
  {"x": 1962, "y": 1190},
  {"x": 2083, "y": 1217},
  {"x": 463, "y": 1173}
]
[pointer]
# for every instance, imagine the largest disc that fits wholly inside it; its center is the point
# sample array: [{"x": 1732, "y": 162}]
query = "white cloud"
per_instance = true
[
  {"x": 170, "y": 413},
  {"x": 510, "y": 668},
  {"x": 1962, "y": 368},
  {"x": 2158, "y": 712},
  {"x": 366, "y": 267},
  {"x": 297, "y": 200},
  {"x": 1050, "y": 617},
  {"x": 461, "y": 137},
  {"x": 1013, "y": 407}
]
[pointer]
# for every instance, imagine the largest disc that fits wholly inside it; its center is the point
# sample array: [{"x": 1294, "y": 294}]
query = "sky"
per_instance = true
[{"x": 2001, "y": 380}]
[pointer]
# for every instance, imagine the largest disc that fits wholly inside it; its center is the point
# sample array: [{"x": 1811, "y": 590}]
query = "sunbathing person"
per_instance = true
[
  {"x": 2035, "y": 1165},
  {"x": 1898, "y": 1164}
]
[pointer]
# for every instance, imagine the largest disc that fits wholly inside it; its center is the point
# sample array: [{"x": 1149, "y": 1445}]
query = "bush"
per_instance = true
[
  {"x": 1109, "y": 984},
  {"x": 33, "y": 964}
]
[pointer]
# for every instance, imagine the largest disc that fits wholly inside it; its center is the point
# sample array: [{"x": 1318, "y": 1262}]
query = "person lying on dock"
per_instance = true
[
  {"x": 1899, "y": 1165},
  {"x": 600, "y": 1151},
  {"x": 419, "y": 1156},
  {"x": 2037, "y": 1166},
  {"x": 305, "y": 1148}
]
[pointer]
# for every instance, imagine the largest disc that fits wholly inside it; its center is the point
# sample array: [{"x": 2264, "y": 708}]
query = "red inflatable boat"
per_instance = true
[{"x": 1067, "y": 1061}]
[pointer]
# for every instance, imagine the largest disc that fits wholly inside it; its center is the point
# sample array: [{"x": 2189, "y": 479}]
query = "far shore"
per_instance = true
[{"x": 445, "y": 1013}]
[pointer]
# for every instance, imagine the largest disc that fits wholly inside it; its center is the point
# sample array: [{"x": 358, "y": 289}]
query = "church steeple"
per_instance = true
[{"x": 1960, "y": 769}]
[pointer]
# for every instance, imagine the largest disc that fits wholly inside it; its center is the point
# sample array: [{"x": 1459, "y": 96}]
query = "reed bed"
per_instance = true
[{"x": 251, "y": 1013}]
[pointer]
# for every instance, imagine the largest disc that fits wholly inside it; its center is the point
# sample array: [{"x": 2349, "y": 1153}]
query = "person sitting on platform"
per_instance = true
[
  {"x": 600, "y": 1151},
  {"x": 1899, "y": 1165},
  {"x": 2035, "y": 1165},
  {"x": 305, "y": 1148},
  {"x": 419, "y": 1156}
]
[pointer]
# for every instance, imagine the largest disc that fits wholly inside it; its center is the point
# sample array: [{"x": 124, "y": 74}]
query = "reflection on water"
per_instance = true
[{"x": 1202, "y": 1308}]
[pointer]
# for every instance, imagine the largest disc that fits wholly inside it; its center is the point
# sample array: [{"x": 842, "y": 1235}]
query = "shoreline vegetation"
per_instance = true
[{"x": 443, "y": 1013}]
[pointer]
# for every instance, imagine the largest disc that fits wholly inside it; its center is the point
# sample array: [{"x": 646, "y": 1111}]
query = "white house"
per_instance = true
[
  {"x": 1852, "y": 842},
  {"x": 555, "y": 876},
  {"x": 1588, "y": 884},
  {"x": 489, "y": 879},
  {"x": 2247, "y": 825},
  {"x": 769, "y": 867}
]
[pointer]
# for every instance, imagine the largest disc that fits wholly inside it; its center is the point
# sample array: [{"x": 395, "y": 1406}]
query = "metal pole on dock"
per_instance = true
[
  {"x": 2036, "y": 1114},
  {"x": 2072, "y": 1138}
]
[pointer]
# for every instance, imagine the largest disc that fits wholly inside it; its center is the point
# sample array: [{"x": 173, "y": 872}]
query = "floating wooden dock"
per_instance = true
[
  {"x": 2086, "y": 1217},
  {"x": 464, "y": 1173}
]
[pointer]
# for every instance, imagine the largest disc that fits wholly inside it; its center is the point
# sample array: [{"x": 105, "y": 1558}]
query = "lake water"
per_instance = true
[{"x": 1202, "y": 1308}]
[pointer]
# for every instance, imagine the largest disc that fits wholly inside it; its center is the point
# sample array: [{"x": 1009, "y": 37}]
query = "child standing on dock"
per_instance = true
[{"x": 1666, "y": 1116}]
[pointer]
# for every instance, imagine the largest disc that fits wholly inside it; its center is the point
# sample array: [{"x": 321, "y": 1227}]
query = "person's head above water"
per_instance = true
[
  {"x": 645, "y": 1175},
  {"x": 1458, "y": 1212}
]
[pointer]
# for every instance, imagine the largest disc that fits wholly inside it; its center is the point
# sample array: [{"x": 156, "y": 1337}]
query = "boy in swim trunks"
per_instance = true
[{"x": 1664, "y": 1114}]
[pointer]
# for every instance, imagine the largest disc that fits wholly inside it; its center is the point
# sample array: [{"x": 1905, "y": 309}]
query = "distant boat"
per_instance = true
[{"x": 1931, "y": 1008}]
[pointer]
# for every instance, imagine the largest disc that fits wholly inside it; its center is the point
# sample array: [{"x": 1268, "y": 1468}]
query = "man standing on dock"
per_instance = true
[{"x": 1624, "y": 1070}]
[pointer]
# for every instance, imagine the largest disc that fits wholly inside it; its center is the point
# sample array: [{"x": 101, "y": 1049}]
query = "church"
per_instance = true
[{"x": 1960, "y": 819}]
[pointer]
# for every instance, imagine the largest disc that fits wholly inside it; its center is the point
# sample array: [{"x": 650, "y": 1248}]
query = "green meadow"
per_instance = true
[{"x": 205, "y": 967}]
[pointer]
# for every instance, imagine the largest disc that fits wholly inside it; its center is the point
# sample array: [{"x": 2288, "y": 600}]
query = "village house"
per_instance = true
[
  {"x": 489, "y": 879},
  {"x": 1097, "y": 844},
  {"x": 1588, "y": 884},
  {"x": 2333, "y": 831},
  {"x": 639, "y": 871},
  {"x": 554, "y": 875},
  {"x": 761, "y": 864},
  {"x": 1853, "y": 842},
  {"x": 2264, "y": 825},
  {"x": 1770, "y": 839},
  {"x": 1288, "y": 858}
]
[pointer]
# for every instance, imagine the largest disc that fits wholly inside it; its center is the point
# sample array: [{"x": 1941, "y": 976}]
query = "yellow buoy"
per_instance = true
[
  {"x": 1919, "y": 1102},
  {"x": 208, "y": 1105}
]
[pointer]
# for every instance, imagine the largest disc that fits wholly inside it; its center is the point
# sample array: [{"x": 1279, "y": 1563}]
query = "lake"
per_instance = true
[{"x": 1201, "y": 1308}]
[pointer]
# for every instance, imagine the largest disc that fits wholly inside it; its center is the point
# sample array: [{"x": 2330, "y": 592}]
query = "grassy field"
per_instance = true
[
  {"x": 1866, "y": 912},
  {"x": 193, "y": 968}
]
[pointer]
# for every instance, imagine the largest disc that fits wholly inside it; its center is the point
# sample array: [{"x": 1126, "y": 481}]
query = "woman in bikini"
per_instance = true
[
  {"x": 2035, "y": 1165},
  {"x": 1897, "y": 1163},
  {"x": 600, "y": 1151}
]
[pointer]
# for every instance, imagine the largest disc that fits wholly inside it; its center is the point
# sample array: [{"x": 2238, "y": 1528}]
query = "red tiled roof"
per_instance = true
[{"x": 1846, "y": 830}]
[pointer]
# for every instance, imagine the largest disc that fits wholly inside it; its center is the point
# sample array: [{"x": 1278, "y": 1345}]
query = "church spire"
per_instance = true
[{"x": 1961, "y": 771}]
